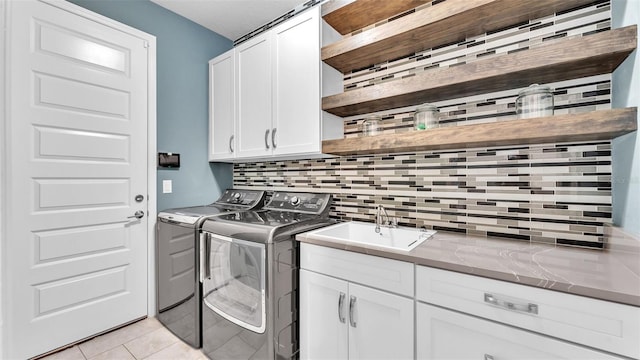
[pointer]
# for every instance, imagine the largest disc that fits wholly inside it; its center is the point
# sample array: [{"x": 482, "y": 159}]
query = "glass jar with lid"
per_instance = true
[
  {"x": 371, "y": 125},
  {"x": 426, "y": 117},
  {"x": 534, "y": 101}
]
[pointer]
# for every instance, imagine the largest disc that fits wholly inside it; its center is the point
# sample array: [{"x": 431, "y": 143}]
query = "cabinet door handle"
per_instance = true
[
  {"x": 266, "y": 138},
  {"x": 488, "y": 357},
  {"x": 273, "y": 137},
  {"x": 341, "y": 316},
  {"x": 352, "y": 307},
  {"x": 528, "y": 308},
  {"x": 231, "y": 143}
]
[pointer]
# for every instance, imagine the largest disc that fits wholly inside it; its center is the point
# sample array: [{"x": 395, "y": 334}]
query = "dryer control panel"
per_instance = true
[
  {"x": 308, "y": 203},
  {"x": 243, "y": 198}
]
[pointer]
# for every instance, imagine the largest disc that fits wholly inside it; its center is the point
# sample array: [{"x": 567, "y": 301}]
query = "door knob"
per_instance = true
[{"x": 138, "y": 215}]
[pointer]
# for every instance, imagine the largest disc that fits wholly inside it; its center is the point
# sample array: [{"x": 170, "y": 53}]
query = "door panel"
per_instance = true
[
  {"x": 296, "y": 44},
  {"x": 73, "y": 95},
  {"x": 73, "y": 145},
  {"x": 65, "y": 42},
  {"x": 383, "y": 325},
  {"x": 323, "y": 335},
  {"x": 66, "y": 243},
  {"x": 176, "y": 264},
  {"x": 444, "y": 334},
  {"x": 254, "y": 97},
  {"x": 222, "y": 106},
  {"x": 72, "y": 292},
  {"x": 77, "y": 158}
]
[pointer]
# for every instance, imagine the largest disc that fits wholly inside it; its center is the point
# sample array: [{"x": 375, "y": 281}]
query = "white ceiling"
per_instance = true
[{"x": 230, "y": 18}]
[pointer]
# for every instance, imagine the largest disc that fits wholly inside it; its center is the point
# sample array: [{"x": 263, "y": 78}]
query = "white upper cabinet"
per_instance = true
[
  {"x": 296, "y": 85},
  {"x": 254, "y": 96},
  {"x": 279, "y": 83},
  {"x": 222, "y": 107}
]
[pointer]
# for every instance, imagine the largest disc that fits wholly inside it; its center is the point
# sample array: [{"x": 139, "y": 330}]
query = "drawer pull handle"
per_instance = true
[
  {"x": 352, "y": 306},
  {"x": 526, "y": 308},
  {"x": 341, "y": 316},
  {"x": 488, "y": 357}
]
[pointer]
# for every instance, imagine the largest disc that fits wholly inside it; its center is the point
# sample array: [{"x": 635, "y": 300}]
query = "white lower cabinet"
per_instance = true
[
  {"x": 357, "y": 306},
  {"x": 340, "y": 319},
  {"x": 597, "y": 324},
  {"x": 323, "y": 334},
  {"x": 446, "y": 334}
]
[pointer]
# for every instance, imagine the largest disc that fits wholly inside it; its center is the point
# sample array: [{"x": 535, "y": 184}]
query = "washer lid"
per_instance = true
[{"x": 190, "y": 215}]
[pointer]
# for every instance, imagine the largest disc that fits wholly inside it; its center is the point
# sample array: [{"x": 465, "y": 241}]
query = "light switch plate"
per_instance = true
[{"x": 167, "y": 186}]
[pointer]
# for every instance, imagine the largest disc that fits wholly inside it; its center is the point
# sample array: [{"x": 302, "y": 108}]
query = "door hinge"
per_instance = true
[{"x": 146, "y": 44}]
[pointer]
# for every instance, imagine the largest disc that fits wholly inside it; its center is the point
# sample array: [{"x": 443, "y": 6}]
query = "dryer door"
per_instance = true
[{"x": 234, "y": 286}]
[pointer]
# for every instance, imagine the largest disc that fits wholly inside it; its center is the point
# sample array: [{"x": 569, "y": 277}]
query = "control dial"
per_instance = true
[{"x": 295, "y": 201}]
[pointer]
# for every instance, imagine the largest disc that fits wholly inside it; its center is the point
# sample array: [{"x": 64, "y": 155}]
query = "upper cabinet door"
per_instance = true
[
  {"x": 296, "y": 85},
  {"x": 222, "y": 107},
  {"x": 253, "y": 61}
]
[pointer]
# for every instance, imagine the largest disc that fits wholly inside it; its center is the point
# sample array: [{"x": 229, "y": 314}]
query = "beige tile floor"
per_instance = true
[{"x": 145, "y": 339}]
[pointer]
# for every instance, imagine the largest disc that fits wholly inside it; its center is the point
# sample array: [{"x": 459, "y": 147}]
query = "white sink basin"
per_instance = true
[{"x": 400, "y": 238}]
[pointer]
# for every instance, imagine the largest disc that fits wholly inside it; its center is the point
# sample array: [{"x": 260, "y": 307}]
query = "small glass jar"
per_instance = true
[
  {"x": 426, "y": 117},
  {"x": 371, "y": 125},
  {"x": 534, "y": 101}
]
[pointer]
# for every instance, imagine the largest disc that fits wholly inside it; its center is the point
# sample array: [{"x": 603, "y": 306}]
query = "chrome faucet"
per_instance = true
[{"x": 388, "y": 222}]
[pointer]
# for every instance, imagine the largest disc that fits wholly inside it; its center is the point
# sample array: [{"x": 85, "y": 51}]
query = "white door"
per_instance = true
[
  {"x": 77, "y": 150},
  {"x": 222, "y": 107},
  {"x": 324, "y": 306},
  {"x": 253, "y": 67},
  {"x": 296, "y": 71},
  {"x": 381, "y": 324}
]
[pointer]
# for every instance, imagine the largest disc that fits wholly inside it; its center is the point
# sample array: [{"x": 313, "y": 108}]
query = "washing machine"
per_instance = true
[
  {"x": 177, "y": 262},
  {"x": 250, "y": 268}
]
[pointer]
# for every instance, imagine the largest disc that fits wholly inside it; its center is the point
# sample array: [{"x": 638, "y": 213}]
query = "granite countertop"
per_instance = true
[{"x": 612, "y": 274}]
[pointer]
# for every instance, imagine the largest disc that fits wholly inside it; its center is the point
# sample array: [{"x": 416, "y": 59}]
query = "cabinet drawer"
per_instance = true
[
  {"x": 386, "y": 274},
  {"x": 446, "y": 334},
  {"x": 601, "y": 324}
]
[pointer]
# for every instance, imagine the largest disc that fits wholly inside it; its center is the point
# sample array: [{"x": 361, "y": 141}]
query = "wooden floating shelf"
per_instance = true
[
  {"x": 361, "y": 13},
  {"x": 443, "y": 23},
  {"x": 558, "y": 60},
  {"x": 595, "y": 125}
]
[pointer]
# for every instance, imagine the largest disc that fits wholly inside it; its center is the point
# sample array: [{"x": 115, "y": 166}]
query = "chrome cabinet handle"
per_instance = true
[
  {"x": 528, "y": 308},
  {"x": 266, "y": 138},
  {"x": 138, "y": 215},
  {"x": 488, "y": 357},
  {"x": 341, "y": 316},
  {"x": 273, "y": 137},
  {"x": 231, "y": 143},
  {"x": 352, "y": 306}
]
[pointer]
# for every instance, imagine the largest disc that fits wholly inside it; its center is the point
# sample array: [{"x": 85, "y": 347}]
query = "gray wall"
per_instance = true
[
  {"x": 626, "y": 149},
  {"x": 183, "y": 50}
]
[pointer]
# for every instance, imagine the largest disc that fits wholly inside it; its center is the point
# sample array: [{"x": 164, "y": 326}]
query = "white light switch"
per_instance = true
[{"x": 166, "y": 187}]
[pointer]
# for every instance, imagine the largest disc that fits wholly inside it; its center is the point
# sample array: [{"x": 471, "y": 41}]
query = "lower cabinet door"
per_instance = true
[
  {"x": 380, "y": 324},
  {"x": 323, "y": 317},
  {"x": 446, "y": 334}
]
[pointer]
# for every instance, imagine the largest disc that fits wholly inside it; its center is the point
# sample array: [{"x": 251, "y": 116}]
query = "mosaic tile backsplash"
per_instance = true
[{"x": 552, "y": 193}]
